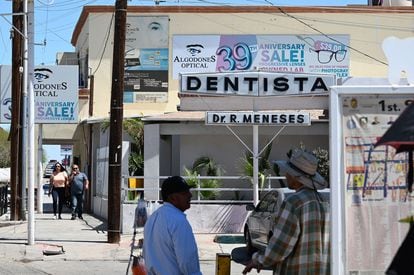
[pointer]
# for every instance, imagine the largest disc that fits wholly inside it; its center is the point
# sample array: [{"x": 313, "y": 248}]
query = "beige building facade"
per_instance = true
[{"x": 174, "y": 139}]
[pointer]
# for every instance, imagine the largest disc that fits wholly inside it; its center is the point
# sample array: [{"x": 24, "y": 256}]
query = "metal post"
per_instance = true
[
  {"x": 255, "y": 164},
  {"x": 29, "y": 27},
  {"x": 198, "y": 187},
  {"x": 223, "y": 264},
  {"x": 40, "y": 170}
]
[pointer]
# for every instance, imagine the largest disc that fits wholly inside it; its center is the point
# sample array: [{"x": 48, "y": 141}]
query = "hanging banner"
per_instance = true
[
  {"x": 5, "y": 93},
  {"x": 146, "y": 59},
  {"x": 55, "y": 89},
  {"x": 376, "y": 195},
  {"x": 314, "y": 54},
  {"x": 66, "y": 149}
]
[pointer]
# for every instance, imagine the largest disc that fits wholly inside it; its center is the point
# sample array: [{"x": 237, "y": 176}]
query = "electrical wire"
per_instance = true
[
  {"x": 54, "y": 6},
  {"x": 331, "y": 38},
  {"x": 45, "y": 35},
  {"x": 67, "y": 5},
  {"x": 105, "y": 44}
]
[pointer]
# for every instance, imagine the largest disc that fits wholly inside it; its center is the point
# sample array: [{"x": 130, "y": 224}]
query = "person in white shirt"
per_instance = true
[{"x": 169, "y": 243}]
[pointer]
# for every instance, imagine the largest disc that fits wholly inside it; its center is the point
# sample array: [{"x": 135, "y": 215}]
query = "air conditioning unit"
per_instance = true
[{"x": 397, "y": 3}]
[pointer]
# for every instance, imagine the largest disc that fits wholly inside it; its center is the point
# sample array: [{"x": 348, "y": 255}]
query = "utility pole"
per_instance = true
[
  {"x": 15, "y": 129},
  {"x": 115, "y": 127}
]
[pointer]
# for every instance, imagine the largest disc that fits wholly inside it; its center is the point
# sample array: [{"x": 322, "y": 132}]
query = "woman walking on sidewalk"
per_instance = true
[{"x": 58, "y": 182}]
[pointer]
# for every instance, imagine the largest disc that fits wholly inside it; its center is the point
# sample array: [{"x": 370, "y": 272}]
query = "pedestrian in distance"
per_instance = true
[
  {"x": 169, "y": 243},
  {"x": 78, "y": 184},
  {"x": 57, "y": 186},
  {"x": 300, "y": 243}
]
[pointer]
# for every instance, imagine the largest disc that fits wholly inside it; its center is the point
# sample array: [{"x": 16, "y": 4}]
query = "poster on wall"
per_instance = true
[
  {"x": 146, "y": 59},
  {"x": 273, "y": 53},
  {"x": 56, "y": 90},
  {"x": 375, "y": 182}
]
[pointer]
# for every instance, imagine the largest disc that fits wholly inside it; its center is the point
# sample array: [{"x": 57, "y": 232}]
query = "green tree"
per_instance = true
[
  {"x": 4, "y": 149},
  {"x": 204, "y": 166},
  {"x": 134, "y": 127},
  {"x": 264, "y": 165}
]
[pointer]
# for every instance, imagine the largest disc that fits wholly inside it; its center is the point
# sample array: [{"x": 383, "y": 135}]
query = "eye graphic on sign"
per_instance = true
[
  {"x": 42, "y": 74},
  {"x": 7, "y": 102},
  {"x": 154, "y": 26},
  {"x": 194, "y": 49}
]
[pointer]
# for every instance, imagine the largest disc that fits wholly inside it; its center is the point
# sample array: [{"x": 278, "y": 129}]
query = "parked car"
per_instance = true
[
  {"x": 259, "y": 225},
  {"x": 49, "y": 168}
]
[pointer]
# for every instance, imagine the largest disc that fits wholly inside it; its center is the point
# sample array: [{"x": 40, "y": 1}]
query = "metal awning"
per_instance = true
[{"x": 317, "y": 115}]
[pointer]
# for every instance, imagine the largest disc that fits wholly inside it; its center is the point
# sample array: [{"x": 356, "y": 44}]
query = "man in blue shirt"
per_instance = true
[
  {"x": 169, "y": 243},
  {"x": 78, "y": 184}
]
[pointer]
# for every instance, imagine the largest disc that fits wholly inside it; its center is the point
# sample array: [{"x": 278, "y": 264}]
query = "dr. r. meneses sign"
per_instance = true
[{"x": 258, "y": 118}]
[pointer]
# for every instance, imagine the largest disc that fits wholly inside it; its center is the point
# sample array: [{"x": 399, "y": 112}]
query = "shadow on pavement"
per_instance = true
[
  {"x": 102, "y": 227},
  {"x": 48, "y": 208}
]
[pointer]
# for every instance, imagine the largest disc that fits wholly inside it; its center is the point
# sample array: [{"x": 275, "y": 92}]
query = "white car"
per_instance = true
[{"x": 259, "y": 225}]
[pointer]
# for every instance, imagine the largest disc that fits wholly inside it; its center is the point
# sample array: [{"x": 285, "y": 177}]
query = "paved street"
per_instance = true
[{"x": 86, "y": 249}]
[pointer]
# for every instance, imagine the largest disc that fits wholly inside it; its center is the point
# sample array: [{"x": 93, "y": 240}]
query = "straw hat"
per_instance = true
[{"x": 303, "y": 165}]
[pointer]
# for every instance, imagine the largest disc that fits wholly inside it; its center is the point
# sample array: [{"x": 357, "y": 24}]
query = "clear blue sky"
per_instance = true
[{"x": 56, "y": 19}]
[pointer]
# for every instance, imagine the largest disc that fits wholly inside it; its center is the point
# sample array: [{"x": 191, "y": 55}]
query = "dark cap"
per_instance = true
[{"x": 174, "y": 184}]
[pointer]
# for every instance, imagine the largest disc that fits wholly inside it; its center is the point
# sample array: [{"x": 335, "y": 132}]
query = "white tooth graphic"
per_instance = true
[{"x": 400, "y": 58}]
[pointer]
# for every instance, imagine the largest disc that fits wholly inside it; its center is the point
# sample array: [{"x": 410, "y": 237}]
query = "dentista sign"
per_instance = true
[
  {"x": 258, "y": 118},
  {"x": 256, "y": 83}
]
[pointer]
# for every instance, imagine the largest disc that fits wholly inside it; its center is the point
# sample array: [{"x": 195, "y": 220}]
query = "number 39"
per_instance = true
[{"x": 238, "y": 58}]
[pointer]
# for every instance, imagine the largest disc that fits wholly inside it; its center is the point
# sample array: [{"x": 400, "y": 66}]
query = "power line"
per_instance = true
[
  {"x": 106, "y": 42},
  {"x": 331, "y": 38}
]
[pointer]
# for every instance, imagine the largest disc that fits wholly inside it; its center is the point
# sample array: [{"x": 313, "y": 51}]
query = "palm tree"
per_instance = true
[
  {"x": 264, "y": 165},
  {"x": 204, "y": 166}
]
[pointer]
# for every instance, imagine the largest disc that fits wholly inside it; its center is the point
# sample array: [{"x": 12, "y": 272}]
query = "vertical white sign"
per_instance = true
[
  {"x": 5, "y": 94},
  {"x": 56, "y": 90}
]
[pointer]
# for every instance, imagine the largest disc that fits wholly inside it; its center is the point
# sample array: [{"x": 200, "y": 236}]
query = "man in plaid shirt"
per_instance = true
[{"x": 300, "y": 242}]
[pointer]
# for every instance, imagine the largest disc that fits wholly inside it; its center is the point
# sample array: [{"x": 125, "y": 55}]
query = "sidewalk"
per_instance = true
[{"x": 86, "y": 240}]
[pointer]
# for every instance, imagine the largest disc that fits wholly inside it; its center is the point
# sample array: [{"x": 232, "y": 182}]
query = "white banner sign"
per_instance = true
[
  {"x": 256, "y": 83},
  {"x": 65, "y": 149},
  {"x": 55, "y": 90},
  {"x": 5, "y": 92},
  {"x": 315, "y": 54},
  {"x": 258, "y": 118}
]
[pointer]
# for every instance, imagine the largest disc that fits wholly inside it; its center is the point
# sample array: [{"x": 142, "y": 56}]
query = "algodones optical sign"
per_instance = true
[
  {"x": 55, "y": 88},
  {"x": 314, "y": 54},
  {"x": 258, "y": 118}
]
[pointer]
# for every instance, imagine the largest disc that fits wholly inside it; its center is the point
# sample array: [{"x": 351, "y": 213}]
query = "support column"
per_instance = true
[
  {"x": 255, "y": 164},
  {"x": 152, "y": 161}
]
